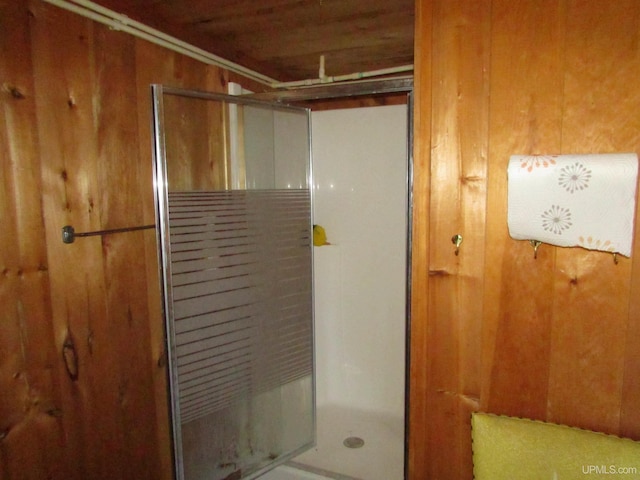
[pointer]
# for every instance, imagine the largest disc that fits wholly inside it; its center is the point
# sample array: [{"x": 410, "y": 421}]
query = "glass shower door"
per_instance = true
[{"x": 233, "y": 204}]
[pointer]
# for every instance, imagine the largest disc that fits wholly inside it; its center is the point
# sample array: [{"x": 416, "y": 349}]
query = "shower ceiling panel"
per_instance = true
[{"x": 284, "y": 39}]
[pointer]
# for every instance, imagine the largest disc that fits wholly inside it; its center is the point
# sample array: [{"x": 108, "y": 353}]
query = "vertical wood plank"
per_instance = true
[
  {"x": 10, "y": 338},
  {"x": 592, "y": 303},
  {"x": 418, "y": 353},
  {"x": 29, "y": 410},
  {"x": 526, "y": 117},
  {"x": 64, "y": 43},
  {"x": 587, "y": 360},
  {"x": 629, "y": 411},
  {"x": 459, "y": 151},
  {"x": 118, "y": 167}
]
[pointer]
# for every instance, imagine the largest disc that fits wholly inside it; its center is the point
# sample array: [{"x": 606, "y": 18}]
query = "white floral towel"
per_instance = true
[{"x": 574, "y": 200}]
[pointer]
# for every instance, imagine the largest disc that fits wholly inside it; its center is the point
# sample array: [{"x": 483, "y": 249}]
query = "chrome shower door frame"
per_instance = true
[{"x": 161, "y": 190}]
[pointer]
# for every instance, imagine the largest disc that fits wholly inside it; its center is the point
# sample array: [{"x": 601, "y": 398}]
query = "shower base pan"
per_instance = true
[{"x": 380, "y": 456}]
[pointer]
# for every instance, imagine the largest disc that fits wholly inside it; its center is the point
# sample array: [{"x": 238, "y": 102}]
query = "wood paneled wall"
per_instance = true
[
  {"x": 492, "y": 329},
  {"x": 82, "y": 372},
  {"x": 556, "y": 338}
]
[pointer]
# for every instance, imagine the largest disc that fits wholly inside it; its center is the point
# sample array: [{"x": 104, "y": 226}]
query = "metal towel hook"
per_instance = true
[
  {"x": 457, "y": 241},
  {"x": 535, "y": 244}
]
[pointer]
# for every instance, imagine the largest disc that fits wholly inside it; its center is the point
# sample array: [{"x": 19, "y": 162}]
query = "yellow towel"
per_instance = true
[{"x": 507, "y": 448}]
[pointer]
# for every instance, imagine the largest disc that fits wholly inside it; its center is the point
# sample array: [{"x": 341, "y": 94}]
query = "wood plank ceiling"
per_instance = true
[{"x": 284, "y": 39}]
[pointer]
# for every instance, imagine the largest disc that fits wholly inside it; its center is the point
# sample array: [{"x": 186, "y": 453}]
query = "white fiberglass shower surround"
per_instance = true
[
  {"x": 360, "y": 198},
  {"x": 251, "y": 386}
]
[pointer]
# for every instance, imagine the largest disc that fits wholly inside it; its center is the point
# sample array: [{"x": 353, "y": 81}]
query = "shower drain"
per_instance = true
[{"x": 353, "y": 442}]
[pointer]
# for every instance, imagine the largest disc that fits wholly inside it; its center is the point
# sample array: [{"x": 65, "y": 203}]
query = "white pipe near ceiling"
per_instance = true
[
  {"x": 120, "y": 22},
  {"x": 343, "y": 78}
]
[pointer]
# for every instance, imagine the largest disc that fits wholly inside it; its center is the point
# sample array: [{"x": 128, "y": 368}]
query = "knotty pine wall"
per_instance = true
[
  {"x": 492, "y": 330},
  {"x": 557, "y": 338},
  {"x": 75, "y": 149}
]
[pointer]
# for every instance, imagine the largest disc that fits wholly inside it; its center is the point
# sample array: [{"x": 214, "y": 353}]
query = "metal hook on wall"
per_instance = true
[
  {"x": 535, "y": 244},
  {"x": 457, "y": 241}
]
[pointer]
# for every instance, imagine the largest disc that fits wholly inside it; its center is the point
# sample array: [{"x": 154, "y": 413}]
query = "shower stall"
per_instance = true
[
  {"x": 360, "y": 198},
  {"x": 252, "y": 387}
]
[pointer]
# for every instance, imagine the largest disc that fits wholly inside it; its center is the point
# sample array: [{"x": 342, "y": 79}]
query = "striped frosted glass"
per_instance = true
[{"x": 240, "y": 265}]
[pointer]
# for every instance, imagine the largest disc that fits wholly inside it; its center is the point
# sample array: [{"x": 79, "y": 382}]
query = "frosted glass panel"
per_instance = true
[
  {"x": 241, "y": 277},
  {"x": 237, "y": 273}
]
